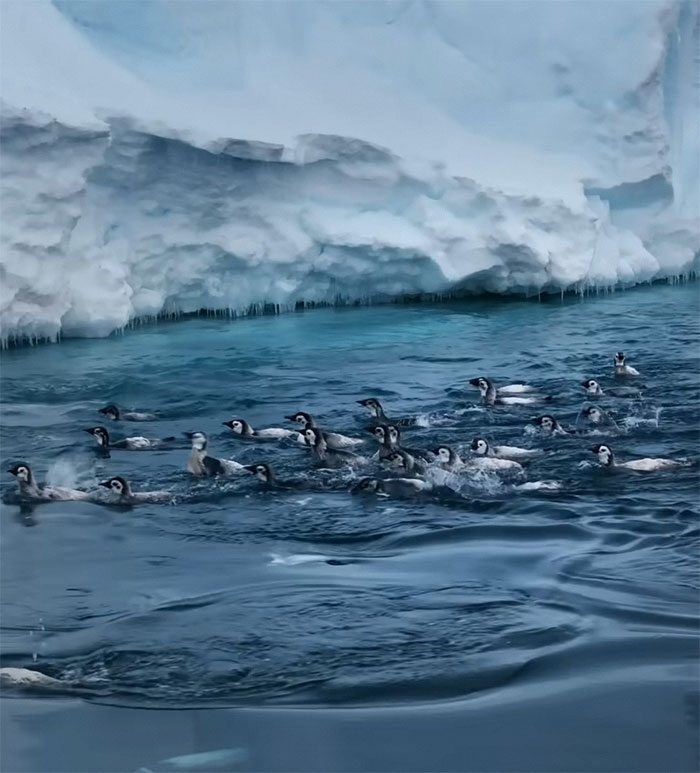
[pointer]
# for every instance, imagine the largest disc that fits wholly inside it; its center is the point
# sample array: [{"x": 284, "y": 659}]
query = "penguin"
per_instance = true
[
  {"x": 508, "y": 389},
  {"x": 200, "y": 463},
  {"x": 549, "y": 425},
  {"x": 450, "y": 460},
  {"x": 334, "y": 440},
  {"x": 597, "y": 416},
  {"x": 389, "y": 436},
  {"x": 621, "y": 368},
  {"x": 266, "y": 475},
  {"x": 121, "y": 494},
  {"x": 379, "y": 417},
  {"x": 114, "y": 413},
  {"x": 29, "y": 488},
  {"x": 481, "y": 447},
  {"x": 594, "y": 389},
  {"x": 136, "y": 443},
  {"x": 408, "y": 465},
  {"x": 242, "y": 428},
  {"x": 490, "y": 396},
  {"x": 397, "y": 487},
  {"x": 607, "y": 460},
  {"x": 329, "y": 457},
  {"x": 26, "y": 677}
]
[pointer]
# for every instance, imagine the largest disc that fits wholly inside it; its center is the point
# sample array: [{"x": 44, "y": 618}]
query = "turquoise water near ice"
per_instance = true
[{"x": 475, "y": 595}]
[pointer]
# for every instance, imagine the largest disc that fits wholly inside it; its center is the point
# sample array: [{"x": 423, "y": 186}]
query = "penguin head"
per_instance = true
[
  {"x": 593, "y": 414},
  {"x": 261, "y": 471},
  {"x": 604, "y": 453},
  {"x": 591, "y": 386},
  {"x": 380, "y": 432},
  {"x": 313, "y": 437},
  {"x": 619, "y": 359},
  {"x": 22, "y": 472},
  {"x": 302, "y": 418},
  {"x": 445, "y": 454},
  {"x": 367, "y": 486},
  {"x": 101, "y": 436},
  {"x": 480, "y": 446},
  {"x": 481, "y": 383},
  {"x": 546, "y": 423},
  {"x": 398, "y": 460},
  {"x": 199, "y": 440},
  {"x": 110, "y": 411},
  {"x": 373, "y": 406},
  {"x": 118, "y": 485},
  {"x": 239, "y": 426},
  {"x": 394, "y": 435}
]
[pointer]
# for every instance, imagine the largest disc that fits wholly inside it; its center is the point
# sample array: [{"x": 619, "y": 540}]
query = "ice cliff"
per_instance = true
[{"x": 164, "y": 157}]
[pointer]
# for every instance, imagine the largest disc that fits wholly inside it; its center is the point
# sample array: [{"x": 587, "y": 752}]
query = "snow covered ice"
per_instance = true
[{"x": 164, "y": 157}]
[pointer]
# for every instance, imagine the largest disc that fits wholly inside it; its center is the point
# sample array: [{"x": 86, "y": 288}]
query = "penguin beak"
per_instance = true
[
  {"x": 249, "y": 467},
  {"x": 188, "y": 434},
  {"x": 12, "y": 471},
  {"x": 228, "y": 424},
  {"x": 91, "y": 432},
  {"x": 474, "y": 382},
  {"x": 361, "y": 402},
  {"x": 104, "y": 483},
  {"x": 594, "y": 449},
  {"x": 291, "y": 418},
  {"x": 584, "y": 384}
]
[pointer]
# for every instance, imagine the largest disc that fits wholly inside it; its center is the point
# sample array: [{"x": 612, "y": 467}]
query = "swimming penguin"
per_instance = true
[
  {"x": 377, "y": 412},
  {"x": 333, "y": 440},
  {"x": 114, "y": 413},
  {"x": 137, "y": 443},
  {"x": 408, "y": 465},
  {"x": 200, "y": 463},
  {"x": 450, "y": 460},
  {"x": 594, "y": 389},
  {"x": 389, "y": 436},
  {"x": 621, "y": 369},
  {"x": 607, "y": 460},
  {"x": 25, "y": 677},
  {"x": 242, "y": 428},
  {"x": 549, "y": 425},
  {"x": 481, "y": 447},
  {"x": 508, "y": 389},
  {"x": 597, "y": 416},
  {"x": 396, "y": 487},
  {"x": 28, "y": 487},
  {"x": 329, "y": 457},
  {"x": 121, "y": 493},
  {"x": 490, "y": 396},
  {"x": 266, "y": 475}
]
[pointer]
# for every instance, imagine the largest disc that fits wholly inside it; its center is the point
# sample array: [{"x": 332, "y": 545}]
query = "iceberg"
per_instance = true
[{"x": 165, "y": 158}]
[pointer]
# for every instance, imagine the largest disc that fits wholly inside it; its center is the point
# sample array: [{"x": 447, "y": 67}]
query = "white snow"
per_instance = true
[{"x": 162, "y": 157}]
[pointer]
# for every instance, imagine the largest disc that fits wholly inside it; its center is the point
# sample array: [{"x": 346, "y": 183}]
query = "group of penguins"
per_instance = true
[{"x": 406, "y": 470}]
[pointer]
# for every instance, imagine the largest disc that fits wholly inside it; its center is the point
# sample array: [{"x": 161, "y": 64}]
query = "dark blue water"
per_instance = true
[{"x": 479, "y": 596}]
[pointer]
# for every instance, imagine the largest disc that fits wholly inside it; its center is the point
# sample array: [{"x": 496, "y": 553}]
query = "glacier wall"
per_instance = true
[{"x": 163, "y": 157}]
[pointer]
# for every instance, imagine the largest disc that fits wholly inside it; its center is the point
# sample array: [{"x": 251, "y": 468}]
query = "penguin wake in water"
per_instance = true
[
  {"x": 379, "y": 417},
  {"x": 594, "y": 389},
  {"x": 392, "y": 487},
  {"x": 621, "y": 367},
  {"x": 329, "y": 457},
  {"x": 242, "y": 428},
  {"x": 334, "y": 440},
  {"x": 30, "y": 489},
  {"x": 490, "y": 395},
  {"x": 607, "y": 460},
  {"x": 120, "y": 493},
  {"x": 137, "y": 443},
  {"x": 114, "y": 413},
  {"x": 481, "y": 447},
  {"x": 200, "y": 463}
]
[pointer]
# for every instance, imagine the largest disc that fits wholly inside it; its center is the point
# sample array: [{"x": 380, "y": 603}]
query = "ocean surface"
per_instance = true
[{"x": 478, "y": 626}]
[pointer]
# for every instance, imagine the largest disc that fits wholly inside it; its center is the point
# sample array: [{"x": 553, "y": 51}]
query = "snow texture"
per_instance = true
[{"x": 161, "y": 158}]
